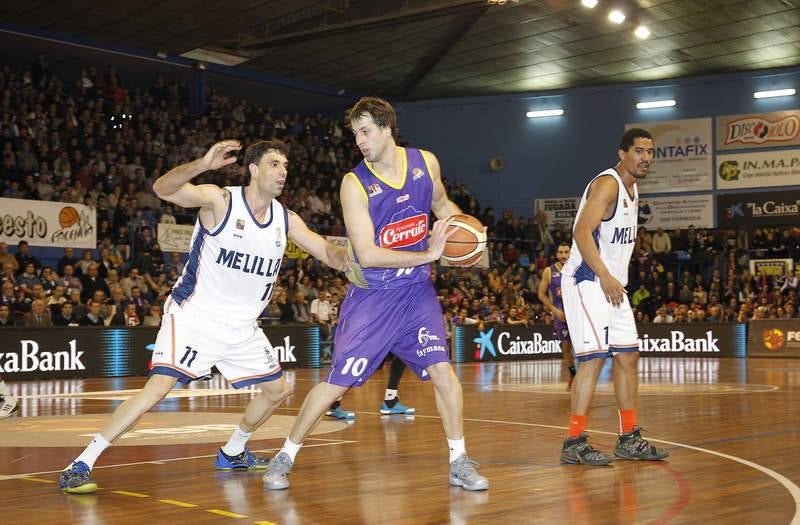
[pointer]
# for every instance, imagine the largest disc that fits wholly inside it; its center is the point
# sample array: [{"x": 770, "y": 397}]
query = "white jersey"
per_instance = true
[
  {"x": 614, "y": 237},
  {"x": 231, "y": 272}
]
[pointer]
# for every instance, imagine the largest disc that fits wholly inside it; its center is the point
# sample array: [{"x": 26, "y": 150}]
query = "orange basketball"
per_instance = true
[
  {"x": 465, "y": 246},
  {"x": 68, "y": 216}
]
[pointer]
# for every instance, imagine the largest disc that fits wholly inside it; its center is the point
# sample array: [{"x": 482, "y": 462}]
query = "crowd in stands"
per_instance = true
[{"x": 91, "y": 140}]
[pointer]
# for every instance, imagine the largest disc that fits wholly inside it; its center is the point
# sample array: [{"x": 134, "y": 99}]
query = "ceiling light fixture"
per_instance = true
[
  {"x": 589, "y": 3},
  {"x": 642, "y": 32},
  {"x": 655, "y": 104},
  {"x": 545, "y": 113},
  {"x": 616, "y": 16},
  {"x": 774, "y": 93}
]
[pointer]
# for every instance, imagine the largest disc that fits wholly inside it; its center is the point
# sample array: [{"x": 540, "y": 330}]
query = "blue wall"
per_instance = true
[{"x": 556, "y": 156}]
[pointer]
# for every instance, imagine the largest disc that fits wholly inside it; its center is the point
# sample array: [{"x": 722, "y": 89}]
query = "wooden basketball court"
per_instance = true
[{"x": 730, "y": 426}]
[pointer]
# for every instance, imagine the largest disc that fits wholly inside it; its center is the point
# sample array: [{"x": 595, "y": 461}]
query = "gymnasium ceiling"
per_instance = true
[{"x": 438, "y": 48}]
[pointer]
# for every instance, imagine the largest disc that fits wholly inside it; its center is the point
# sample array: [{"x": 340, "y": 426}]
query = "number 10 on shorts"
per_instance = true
[{"x": 358, "y": 366}]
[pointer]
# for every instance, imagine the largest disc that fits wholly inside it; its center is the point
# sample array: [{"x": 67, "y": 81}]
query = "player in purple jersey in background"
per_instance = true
[
  {"x": 550, "y": 286},
  {"x": 392, "y": 305}
]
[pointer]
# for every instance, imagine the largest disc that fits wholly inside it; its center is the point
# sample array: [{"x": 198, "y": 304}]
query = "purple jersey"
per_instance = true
[
  {"x": 555, "y": 286},
  {"x": 400, "y": 217}
]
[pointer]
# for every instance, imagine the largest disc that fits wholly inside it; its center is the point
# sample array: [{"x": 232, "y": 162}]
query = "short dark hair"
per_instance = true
[
  {"x": 631, "y": 135},
  {"x": 564, "y": 243},
  {"x": 379, "y": 109},
  {"x": 257, "y": 150}
]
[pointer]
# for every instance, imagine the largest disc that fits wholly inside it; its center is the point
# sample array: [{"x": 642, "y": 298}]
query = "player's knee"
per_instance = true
[
  {"x": 442, "y": 374},
  {"x": 276, "y": 392},
  {"x": 158, "y": 386},
  {"x": 627, "y": 359}
]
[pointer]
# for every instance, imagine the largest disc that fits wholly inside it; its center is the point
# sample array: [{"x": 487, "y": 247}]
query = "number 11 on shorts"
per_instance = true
[{"x": 189, "y": 352}]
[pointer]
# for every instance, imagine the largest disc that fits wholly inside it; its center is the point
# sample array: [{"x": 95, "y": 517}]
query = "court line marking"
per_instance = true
[
  {"x": 162, "y": 461},
  {"x": 788, "y": 484},
  {"x": 178, "y": 503},
  {"x": 226, "y": 513},
  {"x": 131, "y": 494},
  {"x": 38, "y": 480}
]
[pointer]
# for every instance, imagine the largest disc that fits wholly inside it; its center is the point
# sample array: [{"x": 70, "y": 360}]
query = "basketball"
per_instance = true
[
  {"x": 465, "y": 246},
  {"x": 68, "y": 216}
]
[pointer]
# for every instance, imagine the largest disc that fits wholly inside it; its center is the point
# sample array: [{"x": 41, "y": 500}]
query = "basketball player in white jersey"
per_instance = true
[
  {"x": 600, "y": 318},
  {"x": 210, "y": 316}
]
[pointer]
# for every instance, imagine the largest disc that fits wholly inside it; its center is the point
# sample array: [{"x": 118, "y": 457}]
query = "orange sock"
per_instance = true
[
  {"x": 577, "y": 424},
  {"x": 627, "y": 420}
]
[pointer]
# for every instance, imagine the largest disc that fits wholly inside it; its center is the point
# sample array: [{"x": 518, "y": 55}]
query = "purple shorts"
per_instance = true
[
  {"x": 406, "y": 321},
  {"x": 560, "y": 330}
]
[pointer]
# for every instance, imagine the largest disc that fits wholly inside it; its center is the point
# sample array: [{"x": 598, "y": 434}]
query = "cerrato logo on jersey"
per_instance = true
[
  {"x": 278, "y": 237},
  {"x": 425, "y": 338},
  {"x": 404, "y": 232},
  {"x": 374, "y": 189},
  {"x": 31, "y": 358}
]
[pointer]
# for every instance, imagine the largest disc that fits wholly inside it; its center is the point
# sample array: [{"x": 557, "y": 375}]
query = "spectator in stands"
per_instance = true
[
  {"x": 662, "y": 244},
  {"x": 92, "y": 316},
  {"x": 153, "y": 317},
  {"x": 6, "y": 257},
  {"x": 133, "y": 279},
  {"x": 69, "y": 281},
  {"x": 64, "y": 316},
  {"x": 91, "y": 281},
  {"x": 321, "y": 312},
  {"x": 28, "y": 276},
  {"x": 38, "y": 316},
  {"x": 66, "y": 259},
  {"x": 6, "y": 319},
  {"x": 127, "y": 317},
  {"x": 300, "y": 309},
  {"x": 24, "y": 257}
]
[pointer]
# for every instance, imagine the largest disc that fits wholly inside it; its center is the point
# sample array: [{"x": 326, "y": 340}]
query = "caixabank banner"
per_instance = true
[
  {"x": 774, "y": 338},
  {"x": 758, "y": 209},
  {"x": 85, "y": 352},
  {"x": 516, "y": 343}
]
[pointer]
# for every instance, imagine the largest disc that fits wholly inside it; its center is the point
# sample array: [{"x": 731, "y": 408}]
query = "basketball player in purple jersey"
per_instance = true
[
  {"x": 392, "y": 306},
  {"x": 550, "y": 286}
]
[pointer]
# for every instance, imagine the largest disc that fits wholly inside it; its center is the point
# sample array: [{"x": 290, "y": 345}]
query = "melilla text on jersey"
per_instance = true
[
  {"x": 248, "y": 263},
  {"x": 625, "y": 235}
]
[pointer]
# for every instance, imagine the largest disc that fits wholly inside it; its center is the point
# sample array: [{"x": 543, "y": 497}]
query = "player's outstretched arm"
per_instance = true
[
  {"x": 602, "y": 196},
  {"x": 361, "y": 232},
  {"x": 174, "y": 186},
  {"x": 441, "y": 205},
  {"x": 317, "y": 245}
]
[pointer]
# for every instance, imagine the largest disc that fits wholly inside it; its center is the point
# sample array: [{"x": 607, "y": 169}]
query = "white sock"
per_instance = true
[
  {"x": 390, "y": 394},
  {"x": 3, "y": 389},
  {"x": 235, "y": 444},
  {"x": 93, "y": 450},
  {"x": 457, "y": 447},
  {"x": 291, "y": 448}
]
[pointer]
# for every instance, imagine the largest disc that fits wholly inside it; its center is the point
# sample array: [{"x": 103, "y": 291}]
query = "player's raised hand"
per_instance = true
[
  {"x": 613, "y": 289},
  {"x": 439, "y": 236},
  {"x": 217, "y": 156}
]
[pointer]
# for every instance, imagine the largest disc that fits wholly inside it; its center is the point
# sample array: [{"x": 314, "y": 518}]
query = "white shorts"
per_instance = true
[
  {"x": 597, "y": 328},
  {"x": 188, "y": 346}
]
